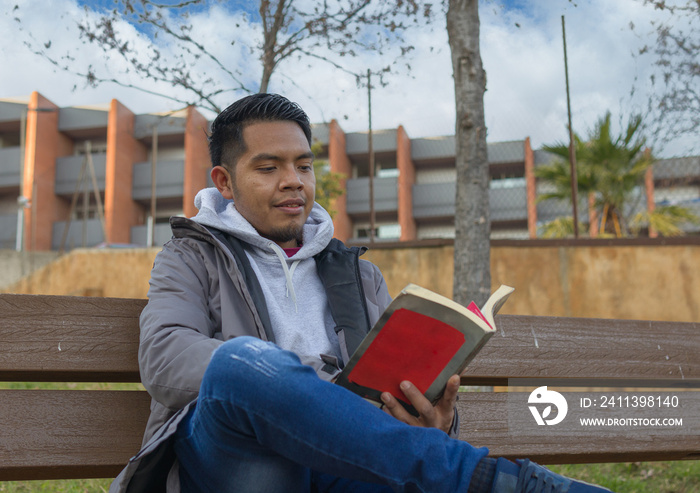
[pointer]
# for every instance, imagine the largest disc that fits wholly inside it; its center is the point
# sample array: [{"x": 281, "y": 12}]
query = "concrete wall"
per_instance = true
[
  {"x": 16, "y": 265},
  {"x": 648, "y": 282},
  {"x": 651, "y": 282},
  {"x": 116, "y": 273}
]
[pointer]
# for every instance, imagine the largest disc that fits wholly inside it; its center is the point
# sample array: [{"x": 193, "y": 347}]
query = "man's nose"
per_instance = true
[{"x": 291, "y": 178}]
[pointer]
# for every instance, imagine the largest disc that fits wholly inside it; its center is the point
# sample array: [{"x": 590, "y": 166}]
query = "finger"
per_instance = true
[
  {"x": 419, "y": 402},
  {"x": 449, "y": 397},
  {"x": 394, "y": 407}
]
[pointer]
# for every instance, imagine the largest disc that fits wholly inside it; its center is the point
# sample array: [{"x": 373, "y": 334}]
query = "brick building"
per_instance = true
[{"x": 45, "y": 203}]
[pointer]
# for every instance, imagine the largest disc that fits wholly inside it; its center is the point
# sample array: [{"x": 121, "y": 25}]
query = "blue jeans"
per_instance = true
[{"x": 266, "y": 423}]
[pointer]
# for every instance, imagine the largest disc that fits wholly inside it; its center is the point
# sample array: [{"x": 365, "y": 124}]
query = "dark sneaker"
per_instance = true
[{"x": 528, "y": 477}]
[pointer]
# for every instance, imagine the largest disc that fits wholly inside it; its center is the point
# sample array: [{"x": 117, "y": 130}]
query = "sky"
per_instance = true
[{"x": 521, "y": 48}]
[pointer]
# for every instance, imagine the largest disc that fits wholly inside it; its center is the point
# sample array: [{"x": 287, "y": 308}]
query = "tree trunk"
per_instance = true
[
  {"x": 272, "y": 22},
  {"x": 472, "y": 272},
  {"x": 268, "y": 68}
]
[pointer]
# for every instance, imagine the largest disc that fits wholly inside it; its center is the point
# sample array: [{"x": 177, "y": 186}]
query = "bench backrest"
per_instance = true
[
  {"x": 53, "y": 434},
  {"x": 56, "y": 434}
]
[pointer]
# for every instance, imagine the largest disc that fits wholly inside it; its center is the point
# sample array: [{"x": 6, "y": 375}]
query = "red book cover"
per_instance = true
[
  {"x": 422, "y": 337},
  {"x": 411, "y": 346}
]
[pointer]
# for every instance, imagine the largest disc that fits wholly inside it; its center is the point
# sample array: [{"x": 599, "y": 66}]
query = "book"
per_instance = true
[{"x": 422, "y": 337}]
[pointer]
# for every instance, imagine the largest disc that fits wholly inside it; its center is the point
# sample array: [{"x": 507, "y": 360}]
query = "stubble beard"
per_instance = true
[
  {"x": 279, "y": 235},
  {"x": 286, "y": 234}
]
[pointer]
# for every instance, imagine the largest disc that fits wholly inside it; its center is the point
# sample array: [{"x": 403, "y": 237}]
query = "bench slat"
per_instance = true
[
  {"x": 63, "y": 434},
  {"x": 98, "y": 338},
  {"x": 69, "y": 338},
  {"x": 484, "y": 423},
  {"x": 586, "y": 348},
  {"x": 87, "y": 434}
]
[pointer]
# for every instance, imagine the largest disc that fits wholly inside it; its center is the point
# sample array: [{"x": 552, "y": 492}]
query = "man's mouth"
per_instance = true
[{"x": 291, "y": 204}]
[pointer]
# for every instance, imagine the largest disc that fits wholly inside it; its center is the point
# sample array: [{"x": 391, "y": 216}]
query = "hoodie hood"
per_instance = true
[{"x": 220, "y": 213}]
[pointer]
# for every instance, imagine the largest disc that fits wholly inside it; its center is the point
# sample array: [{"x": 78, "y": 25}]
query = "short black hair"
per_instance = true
[{"x": 226, "y": 142}]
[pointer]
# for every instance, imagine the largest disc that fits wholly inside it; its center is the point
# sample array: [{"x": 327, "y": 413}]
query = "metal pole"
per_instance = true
[
  {"x": 21, "y": 204},
  {"x": 371, "y": 159},
  {"x": 33, "y": 215},
  {"x": 572, "y": 150},
  {"x": 154, "y": 162},
  {"x": 86, "y": 202},
  {"x": 21, "y": 200}
]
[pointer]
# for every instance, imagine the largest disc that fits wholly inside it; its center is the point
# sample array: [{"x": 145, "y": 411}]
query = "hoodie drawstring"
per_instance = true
[{"x": 288, "y": 272}]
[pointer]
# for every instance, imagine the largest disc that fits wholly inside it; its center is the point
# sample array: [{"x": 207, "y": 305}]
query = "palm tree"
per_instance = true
[
  {"x": 558, "y": 175},
  {"x": 609, "y": 169},
  {"x": 665, "y": 220}
]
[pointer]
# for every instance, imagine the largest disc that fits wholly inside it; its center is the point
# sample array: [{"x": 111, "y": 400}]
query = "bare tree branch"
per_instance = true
[
  {"x": 321, "y": 30},
  {"x": 674, "y": 101}
]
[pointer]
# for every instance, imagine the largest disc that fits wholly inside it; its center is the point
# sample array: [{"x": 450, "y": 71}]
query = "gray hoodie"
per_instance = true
[{"x": 295, "y": 298}]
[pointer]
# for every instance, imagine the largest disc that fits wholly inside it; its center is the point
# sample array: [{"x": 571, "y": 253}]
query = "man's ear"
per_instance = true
[{"x": 222, "y": 181}]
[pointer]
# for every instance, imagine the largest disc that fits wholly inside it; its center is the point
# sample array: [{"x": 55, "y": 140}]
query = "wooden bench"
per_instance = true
[{"x": 56, "y": 434}]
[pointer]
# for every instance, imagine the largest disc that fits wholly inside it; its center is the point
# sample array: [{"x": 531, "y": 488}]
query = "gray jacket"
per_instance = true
[{"x": 199, "y": 294}]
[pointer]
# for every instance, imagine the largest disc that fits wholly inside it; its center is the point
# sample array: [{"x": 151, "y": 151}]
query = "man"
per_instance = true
[{"x": 253, "y": 309}]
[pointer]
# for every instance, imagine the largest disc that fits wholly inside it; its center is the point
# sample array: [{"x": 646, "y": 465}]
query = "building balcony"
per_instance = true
[
  {"x": 169, "y": 180},
  {"x": 8, "y": 231},
  {"x": 139, "y": 234},
  {"x": 685, "y": 168},
  {"x": 81, "y": 233},
  {"x": 10, "y": 167},
  {"x": 68, "y": 172},
  {"x": 437, "y": 201},
  {"x": 434, "y": 200},
  {"x": 83, "y": 123},
  {"x": 508, "y": 204},
  {"x": 386, "y": 196}
]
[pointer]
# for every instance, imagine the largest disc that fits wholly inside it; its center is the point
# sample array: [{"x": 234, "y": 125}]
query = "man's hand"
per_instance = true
[{"x": 438, "y": 416}]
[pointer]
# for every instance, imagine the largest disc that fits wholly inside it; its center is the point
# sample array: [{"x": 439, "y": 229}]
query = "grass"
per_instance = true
[
  {"x": 639, "y": 477},
  {"x": 631, "y": 477},
  {"x": 69, "y": 386},
  {"x": 64, "y": 486}
]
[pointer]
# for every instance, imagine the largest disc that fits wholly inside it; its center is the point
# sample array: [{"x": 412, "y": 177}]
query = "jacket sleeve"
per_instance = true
[
  {"x": 375, "y": 289},
  {"x": 177, "y": 331}
]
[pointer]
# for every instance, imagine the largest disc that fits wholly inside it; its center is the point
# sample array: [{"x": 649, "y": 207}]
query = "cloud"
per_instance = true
[
  {"x": 525, "y": 66},
  {"x": 521, "y": 48}
]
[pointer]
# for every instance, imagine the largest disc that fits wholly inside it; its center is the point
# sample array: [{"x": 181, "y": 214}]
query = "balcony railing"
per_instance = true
[
  {"x": 169, "y": 180},
  {"x": 437, "y": 200},
  {"x": 385, "y": 195},
  {"x": 139, "y": 234},
  {"x": 68, "y": 172},
  {"x": 80, "y": 234},
  {"x": 8, "y": 231},
  {"x": 9, "y": 167}
]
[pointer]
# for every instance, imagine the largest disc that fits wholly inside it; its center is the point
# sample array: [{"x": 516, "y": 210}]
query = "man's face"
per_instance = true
[{"x": 273, "y": 183}]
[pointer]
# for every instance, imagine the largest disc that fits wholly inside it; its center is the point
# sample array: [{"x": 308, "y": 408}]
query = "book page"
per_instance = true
[{"x": 495, "y": 302}]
